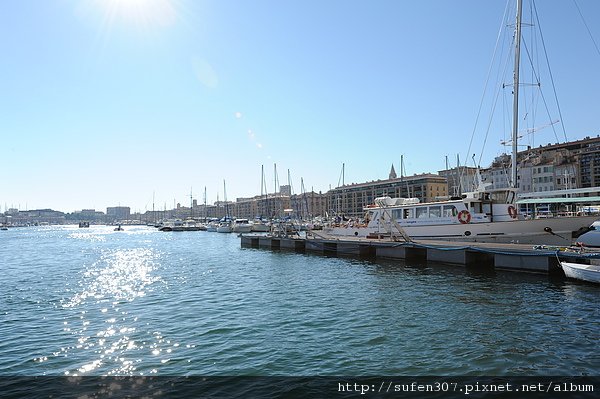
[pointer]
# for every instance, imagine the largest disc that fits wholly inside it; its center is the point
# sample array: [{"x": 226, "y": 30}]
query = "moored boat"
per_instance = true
[
  {"x": 212, "y": 225},
  {"x": 577, "y": 271},
  {"x": 224, "y": 227},
  {"x": 241, "y": 225},
  {"x": 478, "y": 216},
  {"x": 260, "y": 226},
  {"x": 483, "y": 215}
]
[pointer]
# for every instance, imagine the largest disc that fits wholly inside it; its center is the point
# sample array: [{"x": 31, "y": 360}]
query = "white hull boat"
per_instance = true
[
  {"x": 224, "y": 228},
  {"x": 577, "y": 271},
  {"x": 260, "y": 227},
  {"x": 474, "y": 218},
  {"x": 242, "y": 226},
  {"x": 483, "y": 215}
]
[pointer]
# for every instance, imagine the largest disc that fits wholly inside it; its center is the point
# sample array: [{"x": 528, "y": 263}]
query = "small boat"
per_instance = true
[
  {"x": 577, "y": 271},
  {"x": 225, "y": 227},
  {"x": 119, "y": 228},
  {"x": 172, "y": 225},
  {"x": 212, "y": 225},
  {"x": 260, "y": 226},
  {"x": 241, "y": 226},
  {"x": 3, "y": 227},
  {"x": 84, "y": 224}
]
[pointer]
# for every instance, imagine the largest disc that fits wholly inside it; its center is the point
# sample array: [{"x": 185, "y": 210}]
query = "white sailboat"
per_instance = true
[
  {"x": 483, "y": 215},
  {"x": 225, "y": 225}
]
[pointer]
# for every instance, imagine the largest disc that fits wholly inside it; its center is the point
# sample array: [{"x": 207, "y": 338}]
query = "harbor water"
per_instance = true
[{"x": 93, "y": 301}]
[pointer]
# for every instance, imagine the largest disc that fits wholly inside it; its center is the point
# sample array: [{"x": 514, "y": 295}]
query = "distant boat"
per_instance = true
[
  {"x": 212, "y": 225},
  {"x": 191, "y": 225},
  {"x": 84, "y": 224},
  {"x": 179, "y": 225},
  {"x": 225, "y": 226},
  {"x": 3, "y": 227},
  {"x": 119, "y": 228},
  {"x": 171, "y": 225},
  {"x": 577, "y": 271},
  {"x": 260, "y": 226},
  {"x": 242, "y": 226}
]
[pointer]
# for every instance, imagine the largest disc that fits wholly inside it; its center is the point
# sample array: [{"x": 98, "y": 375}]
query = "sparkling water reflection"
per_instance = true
[{"x": 141, "y": 302}]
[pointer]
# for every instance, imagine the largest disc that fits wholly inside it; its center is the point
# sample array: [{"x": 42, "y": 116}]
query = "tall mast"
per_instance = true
[
  {"x": 276, "y": 188},
  {"x": 516, "y": 93}
]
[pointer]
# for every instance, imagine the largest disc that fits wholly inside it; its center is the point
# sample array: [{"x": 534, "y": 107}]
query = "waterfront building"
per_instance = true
[
  {"x": 560, "y": 166},
  {"x": 309, "y": 205},
  {"x": 497, "y": 175},
  {"x": 350, "y": 200},
  {"x": 247, "y": 207},
  {"x": 86, "y": 215},
  {"x": 305, "y": 205},
  {"x": 118, "y": 213},
  {"x": 460, "y": 180},
  {"x": 35, "y": 217}
]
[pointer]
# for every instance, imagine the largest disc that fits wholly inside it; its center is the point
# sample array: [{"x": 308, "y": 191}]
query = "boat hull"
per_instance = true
[
  {"x": 551, "y": 231},
  {"x": 260, "y": 228},
  {"x": 589, "y": 273},
  {"x": 242, "y": 228}
]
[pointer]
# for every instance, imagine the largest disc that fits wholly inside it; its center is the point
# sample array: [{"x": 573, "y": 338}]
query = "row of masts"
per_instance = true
[{"x": 515, "y": 129}]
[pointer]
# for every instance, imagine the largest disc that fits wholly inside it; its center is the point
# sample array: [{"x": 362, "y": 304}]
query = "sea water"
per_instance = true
[{"x": 92, "y": 301}]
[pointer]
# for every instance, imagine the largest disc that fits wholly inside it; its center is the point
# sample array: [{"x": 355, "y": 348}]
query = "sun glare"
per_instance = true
[{"x": 144, "y": 14}]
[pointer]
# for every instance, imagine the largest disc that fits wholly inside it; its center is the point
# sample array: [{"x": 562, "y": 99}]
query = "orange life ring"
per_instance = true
[
  {"x": 464, "y": 216},
  {"x": 512, "y": 212}
]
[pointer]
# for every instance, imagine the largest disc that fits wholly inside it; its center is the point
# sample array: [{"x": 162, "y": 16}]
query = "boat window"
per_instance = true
[
  {"x": 421, "y": 212},
  {"x": 450, "y": 211},
  {"x": 435, "y": 211},
  {"x": 397, "y": 214},
  {"x": 409, "y": 213},
  {"x": 476, "y": 207}
]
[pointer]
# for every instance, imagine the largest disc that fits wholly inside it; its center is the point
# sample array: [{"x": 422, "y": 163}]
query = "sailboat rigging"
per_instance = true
[{"x": 484, "y": 215}]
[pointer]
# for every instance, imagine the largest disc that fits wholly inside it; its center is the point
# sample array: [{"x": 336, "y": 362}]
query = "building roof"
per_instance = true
[{"x": 404, "y": 179}]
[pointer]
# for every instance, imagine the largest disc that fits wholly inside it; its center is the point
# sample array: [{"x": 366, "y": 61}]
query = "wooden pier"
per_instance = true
[{"x": 514, "y": 257}]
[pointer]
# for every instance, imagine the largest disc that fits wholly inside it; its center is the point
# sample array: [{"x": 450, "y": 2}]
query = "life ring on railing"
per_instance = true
[
  {"x": 512, "y": 212},
  {"x": 464, "y": 216}
]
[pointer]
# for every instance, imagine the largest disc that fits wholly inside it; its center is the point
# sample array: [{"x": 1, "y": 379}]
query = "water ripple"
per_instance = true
[{"x": 140, "y": 302}]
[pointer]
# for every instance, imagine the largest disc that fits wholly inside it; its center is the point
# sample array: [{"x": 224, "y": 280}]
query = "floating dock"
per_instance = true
[{"x": 514, "y": 257}]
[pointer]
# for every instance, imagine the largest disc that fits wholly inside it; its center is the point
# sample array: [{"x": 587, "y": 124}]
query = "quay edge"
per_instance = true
[{"x": 511, "y": 257}]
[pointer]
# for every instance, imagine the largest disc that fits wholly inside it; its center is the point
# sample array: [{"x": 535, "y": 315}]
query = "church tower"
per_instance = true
[{"x": 393, "y": 173}]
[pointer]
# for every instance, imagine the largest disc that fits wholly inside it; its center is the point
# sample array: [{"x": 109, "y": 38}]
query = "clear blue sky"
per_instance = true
[{"x": 105, "y": 102}]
